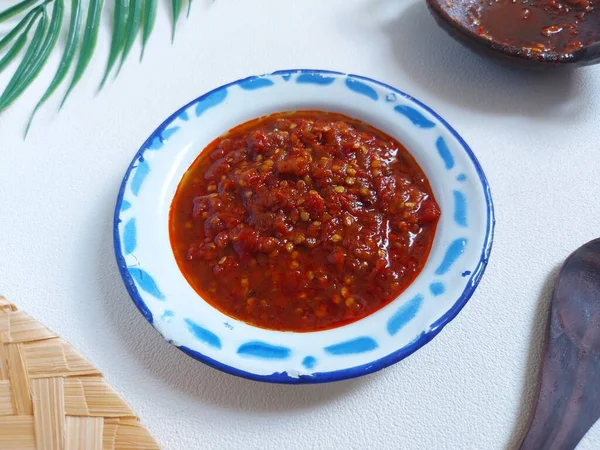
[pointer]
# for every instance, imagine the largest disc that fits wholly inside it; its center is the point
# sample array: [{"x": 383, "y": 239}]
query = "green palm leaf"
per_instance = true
[
  {"x": 132, "y": 18},
  {"x": 88, "y": 44},
  {"x": 118, "y": 36},
  {"x": 26, "y": 62},
  {"x": 16, "y": 9},
  {"x": 133, "y": 28},
  {"x": 177, "y": 6},
  {"x": 41, "y": 56},
  {"x": 21, "y": 40},
  {"x": 67, "y": 58},
  {"x": 148, "y": 19},
  {"x": 15, "y": 31}
]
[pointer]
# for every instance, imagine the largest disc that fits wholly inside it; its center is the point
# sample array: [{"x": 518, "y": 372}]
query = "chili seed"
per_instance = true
[
  {"x": 364, "y": 191},
  {"x": 350, "y": 181},
  {"x": 337, "y": 299},
  {"x": 348, "y": 279},
  {"x": 295, "y": 254},
  {"x": 347, "y": 221},
  {"x": 339, "y": 189},
  {"x": 351, "y": 171},
  {"x": 305, "y": 216},
  {"x": 299, "y": 238},
  {"x": 289, "y": 247},
  {"x": 336, "y": 238},
  {"x": 204, "y": 214},
  {"x": 345, "y": 292},
  {"x": 316, "y": 223},
  {"x": 259, "y": 158},
  {"x": 222, "y": 260},
  {"x": 350, "y": 301},
  {"x": 293, "y": 125},
  {"x": 381, "y": 252},
  {"x": 294, "y": 265},
  {"x": 310, "y": 275},
  {"x": 244, "y": 282},
  {"x": 410, "y": 205}
]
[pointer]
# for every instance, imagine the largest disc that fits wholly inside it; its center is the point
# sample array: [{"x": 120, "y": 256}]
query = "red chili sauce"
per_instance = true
[
  {"x": 539, "y": 26},
  {"x": 302, "y": 221}
]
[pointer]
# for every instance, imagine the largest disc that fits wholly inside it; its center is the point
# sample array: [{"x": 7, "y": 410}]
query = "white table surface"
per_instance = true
[{"x": 537, "y": 137}]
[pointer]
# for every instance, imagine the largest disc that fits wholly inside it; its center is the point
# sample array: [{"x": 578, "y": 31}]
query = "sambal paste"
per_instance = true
[{"x": 302, "y": 221}]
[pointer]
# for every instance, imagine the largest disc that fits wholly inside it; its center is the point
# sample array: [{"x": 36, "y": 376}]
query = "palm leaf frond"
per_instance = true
[
  {"x": 177, "y": 6},
  {"x": 88, "y": 43},
  {"x": 15, "y": 31},
  {"x": 36, "y": 43},
  {"x": 16, "y": 9},
  {"x": 133, "y": 28},
  {"x": 67, "y": 58},
  {"x": 41, "y": 56},
  {"x": 118, "y": 35},
  {"x": 21, "y": 40},
  {"x": 35, "y": 34},
  {"x": 148, "y": 19}
]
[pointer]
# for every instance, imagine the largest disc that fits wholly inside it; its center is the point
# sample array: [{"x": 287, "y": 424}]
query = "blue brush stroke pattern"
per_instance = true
[
  {"x": 184, "y": 116},
  {"x": 461, "y": 177},
  {"x": 155, "y": 144},
  {"x": 202, "y": 334},
  {"x": 168, "y": 133},
  {"x": 466, "y": 273},
  {"x": 256, "y": 83},
  {"x": 444, "y": 152},
  {"x": 414, "y": 116},
  {"x": 263, "y": 350},
  {"x": 437, "y": 288},
  {"x": 361, "y": 88},
  {"x": 286, "y": 77},
  {"x": 141, "y": 172},
  {"x": 309, "y": 362},
  {"x": 125, "y": 205},
  {"x": 146, "y": 282},
  {"x": 460, "y": 209},
  {"x": 129, "y": 237},
  {"x": 314, "y": 78},
  {"x": 455, "y": 250},
  {"x": 405, "y": 314},
  {"x": 167, "y": 315},
  {"x": 358, "y": 345},
  {"x": 210, "y": 101}
]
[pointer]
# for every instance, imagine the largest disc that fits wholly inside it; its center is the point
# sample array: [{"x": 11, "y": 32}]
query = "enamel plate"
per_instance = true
[{"x": 456, "y": 263}]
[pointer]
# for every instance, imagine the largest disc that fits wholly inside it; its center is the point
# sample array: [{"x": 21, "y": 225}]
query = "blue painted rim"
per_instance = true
[{"x": 338, "y": 375}]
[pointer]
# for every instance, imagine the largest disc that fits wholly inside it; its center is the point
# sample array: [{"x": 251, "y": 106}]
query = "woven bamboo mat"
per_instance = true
[{"x": 52, "y": 398}]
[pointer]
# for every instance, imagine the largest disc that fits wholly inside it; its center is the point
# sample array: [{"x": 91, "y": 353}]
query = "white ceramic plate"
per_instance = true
[{"x": 458, "y": 257}]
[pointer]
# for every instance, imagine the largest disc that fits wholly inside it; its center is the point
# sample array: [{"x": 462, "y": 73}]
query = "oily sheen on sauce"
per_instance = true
[{"x": 302, "y": 221}]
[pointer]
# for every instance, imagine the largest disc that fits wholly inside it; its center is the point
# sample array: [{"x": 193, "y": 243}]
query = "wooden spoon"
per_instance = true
[
  {"x": 569, "y": 398},
  {"x": 528, "y": 33}
]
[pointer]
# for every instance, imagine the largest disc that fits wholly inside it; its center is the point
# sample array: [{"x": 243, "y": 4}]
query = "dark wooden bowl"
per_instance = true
[{"x": 452, "y": 16}]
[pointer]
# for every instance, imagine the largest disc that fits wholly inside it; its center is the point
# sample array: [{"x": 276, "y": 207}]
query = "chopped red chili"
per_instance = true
[{"x": 302, "y": 221}]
